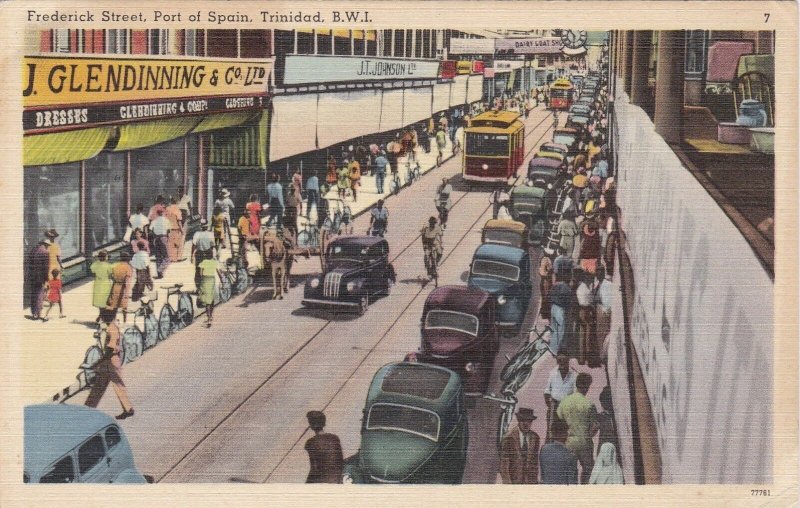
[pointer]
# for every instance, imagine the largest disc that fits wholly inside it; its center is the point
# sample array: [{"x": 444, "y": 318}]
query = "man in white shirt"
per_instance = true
[
  {"x": 560, "y": 384},
  {"x": 160, "y": 229},
  {"x": 139, "y": 220},
  {"x": 587, "y": 350}
]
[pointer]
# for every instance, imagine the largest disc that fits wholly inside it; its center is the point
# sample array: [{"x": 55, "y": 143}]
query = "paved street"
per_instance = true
[{"x": 229, "y": 402}]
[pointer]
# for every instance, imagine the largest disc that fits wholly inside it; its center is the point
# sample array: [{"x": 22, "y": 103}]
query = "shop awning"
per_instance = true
[
  {"x": 416, "y": 104},
  {"x": 224, "y": 120},
  {"x": 348, "y": 115},
  {"x": 723, "y": 58},
  {"x": 138, "y": 135},
  {"x": 242, "y": 147},
  {"x": 474, "y": 89},
  {"x": 391, "y": 110},
  {"x": 62, "y": 147},
  {"x": 294, "y": 125},
  {"x": 458, "y": 92},
  {"x": 441, "y": 97}
]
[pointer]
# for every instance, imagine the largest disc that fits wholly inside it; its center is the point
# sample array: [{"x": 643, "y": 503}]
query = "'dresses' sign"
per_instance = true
[{"x": 66, "y": 81}]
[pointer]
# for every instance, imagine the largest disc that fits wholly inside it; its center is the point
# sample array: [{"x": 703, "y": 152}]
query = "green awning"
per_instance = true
[
  {"x": 223, "y": 121},
  {"x": 62, "y": 147},
  {"x": 245, "y": 146},
  {"x": 138, "y": 135}
]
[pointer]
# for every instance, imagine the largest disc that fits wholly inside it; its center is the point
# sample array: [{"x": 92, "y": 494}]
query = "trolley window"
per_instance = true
[
  {"x": 487, "y": 144},
  {"x": 556, "y": 93}
]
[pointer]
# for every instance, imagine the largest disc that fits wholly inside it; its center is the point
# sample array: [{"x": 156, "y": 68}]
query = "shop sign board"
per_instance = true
[
  {"x": 63, "y": 93},
  {"x": 530, "y": 45},
  {"x": 464, "y": 67},
  {"x": 308, "y": 69}
]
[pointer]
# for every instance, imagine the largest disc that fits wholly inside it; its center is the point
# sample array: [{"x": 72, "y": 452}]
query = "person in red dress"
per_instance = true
[
  {"x": 54, "y": 294},
  {"x": 254, "y": 209}
]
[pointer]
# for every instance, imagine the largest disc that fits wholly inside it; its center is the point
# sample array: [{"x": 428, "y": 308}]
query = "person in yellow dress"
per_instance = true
[
  {"x": 101, "y": 269},
  {"x": 207, "y": 290}
]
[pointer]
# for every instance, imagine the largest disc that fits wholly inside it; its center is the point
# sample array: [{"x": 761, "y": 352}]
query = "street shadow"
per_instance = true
[
  {"x": 257, "y": 294},
  {"x": 325, "y": 314},
  {"x": 88, "y": 324},
  {"x": 417, "y": 280}
]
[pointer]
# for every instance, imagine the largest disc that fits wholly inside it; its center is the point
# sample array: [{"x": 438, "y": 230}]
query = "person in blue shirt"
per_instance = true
[
  {"x": 558, "y": 465},
  {"x": 275, "y": 201},
  {"x": 601, "y": 169},
  {"x": 380, "y": 170}
]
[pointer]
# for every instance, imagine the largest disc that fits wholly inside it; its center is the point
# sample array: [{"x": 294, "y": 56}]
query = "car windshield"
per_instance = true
[
  {"x": 495, "y": 269},
  {"x": 487, "y": 144},
  {"x": 564, "y": 139},
  {"x": 449, "y": 320},
  {"x": 527, "y": 205},
  {"x": 580, "y": 118},
  {"x": 409, "y": 419},
  {"x": 350, "y": 252}
]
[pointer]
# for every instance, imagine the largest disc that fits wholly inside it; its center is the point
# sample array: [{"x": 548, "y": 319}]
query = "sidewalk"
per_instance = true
[{"x": 52, "y": 373}]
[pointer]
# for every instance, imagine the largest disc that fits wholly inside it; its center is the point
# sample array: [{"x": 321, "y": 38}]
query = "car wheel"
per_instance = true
[{"x": 363, "y": 304}]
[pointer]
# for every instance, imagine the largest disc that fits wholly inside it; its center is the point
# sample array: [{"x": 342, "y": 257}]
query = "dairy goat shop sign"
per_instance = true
[
  {"x": 62, "y": 93},
  {"x": 305, "y": 69}
]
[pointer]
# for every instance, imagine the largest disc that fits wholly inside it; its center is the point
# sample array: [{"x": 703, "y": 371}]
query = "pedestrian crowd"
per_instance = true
[{"x": 576, "y": 301}]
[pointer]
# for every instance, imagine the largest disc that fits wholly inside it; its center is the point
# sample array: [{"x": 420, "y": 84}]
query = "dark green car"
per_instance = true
[{"x": 414, "y": 428}]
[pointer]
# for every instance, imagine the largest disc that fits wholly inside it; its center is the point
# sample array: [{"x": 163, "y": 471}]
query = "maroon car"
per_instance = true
[{"x": 459, "y": 333}]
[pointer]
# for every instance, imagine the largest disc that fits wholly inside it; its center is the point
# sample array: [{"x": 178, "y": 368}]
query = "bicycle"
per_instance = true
[
  {"x": 136, "y": 340},
  {"x": 444, "y": 213},
  {"x": 93, "y": 356},
  {"x": 234, "y": 280},
  {"x": 395, "y": 184},
  {"x": 172, "y": 319},
  {"x": 527, "y": 355},
  {"x": 308, "y": 237},
  {"x": 412, "y": 175},
  {"x": 509, "y": 404},
  {"x": 431, "y": 260}
]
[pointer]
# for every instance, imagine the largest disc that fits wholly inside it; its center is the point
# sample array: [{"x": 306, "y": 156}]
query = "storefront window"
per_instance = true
[
  {"x": 52, "y": 200},
  {"x": 305, "y": 43},
  {"x": 386, "y": 42},
  {"x": 324, "y": 45},
  {"x": 156, "y": 170},
  {"x": 399, "y": 41},
  {"x": 105, "y": 199},
  {"x": 358, "y": 42},
  {"x": 695, "y": 62},
  {"x": 341, "y": 46}
]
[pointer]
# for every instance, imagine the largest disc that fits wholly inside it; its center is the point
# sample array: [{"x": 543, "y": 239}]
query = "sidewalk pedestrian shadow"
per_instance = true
[
  {"x": 88, "y": 324},
  {"x": 422, "y": 281},
  {"x": 257, "y": 294}
]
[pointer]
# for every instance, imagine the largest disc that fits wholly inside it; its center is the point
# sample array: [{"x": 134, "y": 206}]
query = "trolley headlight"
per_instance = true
[
  {"x": 315, "y": 282},
  {"x": 469, "y": 367},
  {"x": 549, "y": 186},
  {"x": 501, "y": 300},
  {"x": 351, "y": 286},
  {"x": 485, "y": 167},
  {"x": 346, "y": 478}
]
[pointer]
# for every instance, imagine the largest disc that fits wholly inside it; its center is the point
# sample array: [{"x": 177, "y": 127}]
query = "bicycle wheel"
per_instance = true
[
  {"x": 242, "y": 280},
  {"x": 166, "y": 322},
  {"x": 224, "y": 288},
  {"x": 132, "y": 343},
  {"x": 93, "y": 356},
  {"x": 304, "y": 238},
  {"x": 151, "y": 331},
  {"x": 185, "y": 314}
]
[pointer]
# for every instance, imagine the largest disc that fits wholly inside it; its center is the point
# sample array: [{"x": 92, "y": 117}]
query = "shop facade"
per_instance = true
[{"x": 103, "y": 135}]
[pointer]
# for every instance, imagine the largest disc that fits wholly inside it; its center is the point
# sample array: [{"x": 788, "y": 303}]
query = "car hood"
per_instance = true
[
  {"x": 344, "y": 267},
  {"x": 493, "y": 286},
  {"x": 446, "y": 342},
  {"x": 392, "y": 456}
]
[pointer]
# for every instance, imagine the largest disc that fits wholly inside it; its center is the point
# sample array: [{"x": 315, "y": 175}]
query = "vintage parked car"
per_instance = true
[
  {"x": 505, "y": 232},
  {"x": 65, "y": 443},
  {"x": 580, "y": 109},
  {"x": 533, "y": 206},
  {"x": 459, "y": 332},
  {"x": 414, "y": 428},
  {"x": 504, "y": 272},
  {"x": 554, "y": 147},
  {"x": 567, "y": 137},
  {"x": 556, "y": 156},
  {"x": 357, "y": 270},
  {"x": 545, "y": 173},
  {"x": 577, "y": 121}
]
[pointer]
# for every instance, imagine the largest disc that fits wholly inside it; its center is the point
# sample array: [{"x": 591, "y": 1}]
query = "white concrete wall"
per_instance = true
[{"x": 702, "y": 317}]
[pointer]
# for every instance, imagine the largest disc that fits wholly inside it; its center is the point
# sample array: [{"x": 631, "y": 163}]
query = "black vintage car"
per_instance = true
[{"x": 357, "y": 270}]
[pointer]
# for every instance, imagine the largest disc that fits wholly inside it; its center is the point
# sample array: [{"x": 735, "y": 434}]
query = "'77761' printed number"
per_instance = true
[{"x": 759, "y": 492}]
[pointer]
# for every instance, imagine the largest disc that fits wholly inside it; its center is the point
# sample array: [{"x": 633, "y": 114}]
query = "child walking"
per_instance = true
[{"x": 54, "y": 294}]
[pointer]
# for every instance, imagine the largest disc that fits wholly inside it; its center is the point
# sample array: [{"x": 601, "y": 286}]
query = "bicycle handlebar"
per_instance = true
[
  {"x": 510, "y": 400},
  {"x": 176, "y": 287}
]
